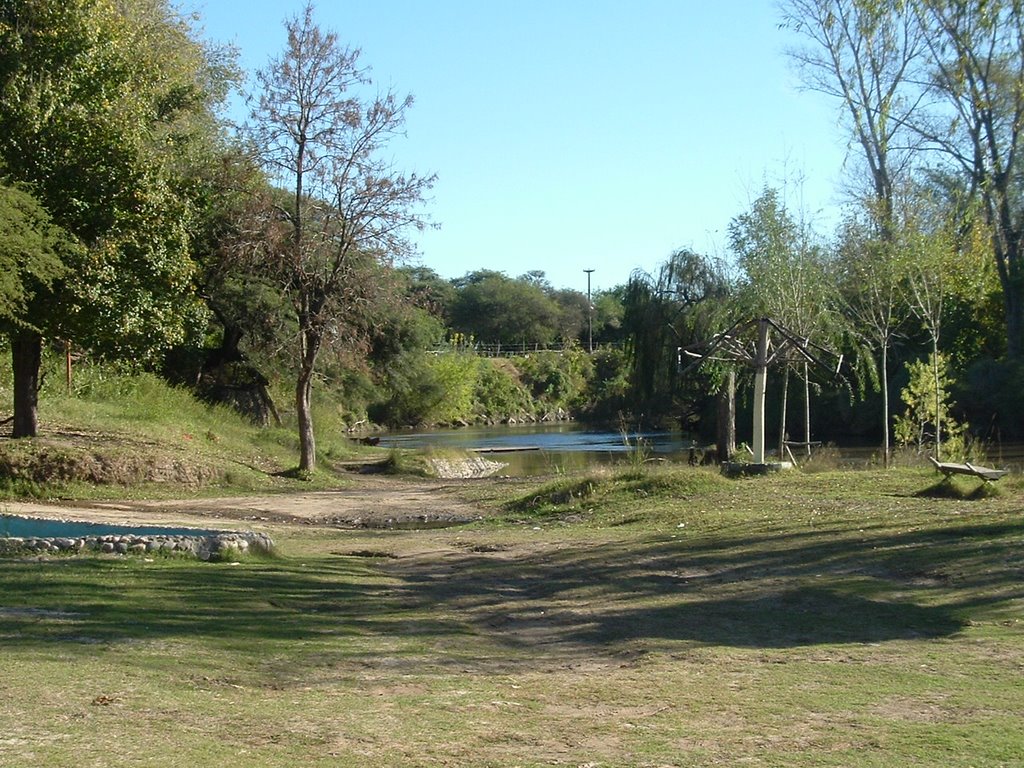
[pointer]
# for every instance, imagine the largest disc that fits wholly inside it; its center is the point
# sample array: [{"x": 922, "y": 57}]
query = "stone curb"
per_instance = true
[{"x": 216, "y": 546}]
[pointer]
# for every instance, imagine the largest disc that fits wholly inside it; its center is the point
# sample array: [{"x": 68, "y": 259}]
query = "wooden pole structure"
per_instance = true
[
  {"x": 760, "y": 384},
  {"x": 67, "y": 364},
  {"x": 733, "y": 345}
]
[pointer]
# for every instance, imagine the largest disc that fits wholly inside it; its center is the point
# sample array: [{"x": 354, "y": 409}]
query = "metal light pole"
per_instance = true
[{"x": 590, "y": 315}]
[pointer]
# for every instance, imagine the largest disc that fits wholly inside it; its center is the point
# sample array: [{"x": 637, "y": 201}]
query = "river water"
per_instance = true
[{"x": 538, "y": 449}]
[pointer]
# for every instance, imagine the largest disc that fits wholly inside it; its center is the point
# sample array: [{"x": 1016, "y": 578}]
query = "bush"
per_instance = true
[
  {"x": 499, "y": 393},
  {"x": 557, "y": 379},
  {"x": 609, "y": 384},
  {"x": 927, "y": 408}
]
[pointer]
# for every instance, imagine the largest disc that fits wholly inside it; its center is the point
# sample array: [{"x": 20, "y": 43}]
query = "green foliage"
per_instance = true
[
  {"x": 928, "y": 404},
  {"x": 500, "y": 393},
  {"x": 608, "y": 389},
  {"x": 32, "y": 254},
  {"x": 100, "y": 105},
  {"x": 609, "y": 308},
  {"x": 991, "y": 394},
  {"x": 432, "y": 389},
  {"x": 557, "y": 379},
  {"x": 428, "y": 290},
  {"x": 786, "y": 277},
  {"x": 456, "y": 376},
  {"x": 686, "y": 303},
  {"x": 495, "y": 308}
]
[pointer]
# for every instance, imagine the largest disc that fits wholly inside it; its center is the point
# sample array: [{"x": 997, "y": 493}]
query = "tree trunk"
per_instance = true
[
  {"x": 310, "y": 346},
  {"x": 938, "y": 399},
  {"x": 727, "y": 419},
  {"x": 26, "y": 357},
  {"x": 886, "y": 451},
  {"x": 304, "y": 415}
]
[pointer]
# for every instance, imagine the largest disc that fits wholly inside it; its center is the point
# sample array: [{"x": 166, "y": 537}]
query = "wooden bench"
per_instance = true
[{"x": 985, "y": 473}]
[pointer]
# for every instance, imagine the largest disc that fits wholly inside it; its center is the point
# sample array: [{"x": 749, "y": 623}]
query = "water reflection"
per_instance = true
[
  {"x": 537, "y": 449},
  {"x": 545, "y": 448}
]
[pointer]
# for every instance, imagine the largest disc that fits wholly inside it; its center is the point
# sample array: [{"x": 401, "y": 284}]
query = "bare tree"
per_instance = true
[
  {"x": 864, "y": 53},
  {"x": 321, "y": 141}
]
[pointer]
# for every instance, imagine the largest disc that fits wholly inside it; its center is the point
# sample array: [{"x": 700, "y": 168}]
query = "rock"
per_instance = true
[{"x": 468, "y": 468}]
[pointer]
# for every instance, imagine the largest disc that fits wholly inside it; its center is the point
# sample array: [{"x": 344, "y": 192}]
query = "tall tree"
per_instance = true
[
  {"x": 685, "y": 303},
  {"x": 865, "y": 54},
  {"x": 97, "y": 108},
  {"x": 497, "y": 309},
  {"x": 33, "y": 252},
  {"x": 322, "y": 141},
  {"x": 872, "y": 280},
  {"x": 977, "y": 59},
  {"x": 786, "y": 279}
]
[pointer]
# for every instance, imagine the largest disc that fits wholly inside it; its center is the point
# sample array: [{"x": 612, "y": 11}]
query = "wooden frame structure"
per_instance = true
[{"x": 771, "y": 343}]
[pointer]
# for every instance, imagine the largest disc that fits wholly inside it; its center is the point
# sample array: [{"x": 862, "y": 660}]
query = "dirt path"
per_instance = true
[{"x": 370, "y": 502}]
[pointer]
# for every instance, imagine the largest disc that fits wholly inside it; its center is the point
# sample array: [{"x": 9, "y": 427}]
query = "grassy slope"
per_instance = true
[
  {"x": 136, "y": 436},
  {"x": 666, "y": 617}
]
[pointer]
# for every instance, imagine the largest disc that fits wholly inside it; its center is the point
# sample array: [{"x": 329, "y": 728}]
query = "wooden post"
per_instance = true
[
  {"x": 67, "y": 364},
  {"x": 807, "y": 408},
  {"x": 727, "y": 418},
  {"x": 760, "y": 382}
]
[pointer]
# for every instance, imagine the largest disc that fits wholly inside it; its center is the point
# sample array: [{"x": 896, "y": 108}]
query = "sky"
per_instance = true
[{"x": 579, "y": 134}]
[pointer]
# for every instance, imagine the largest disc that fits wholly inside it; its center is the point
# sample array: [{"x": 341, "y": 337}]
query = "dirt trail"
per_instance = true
[{"x": 370, "y": 502}]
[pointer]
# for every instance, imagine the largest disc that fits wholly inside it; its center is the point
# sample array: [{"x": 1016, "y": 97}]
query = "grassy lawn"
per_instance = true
[{"x": 667, "y": 617}]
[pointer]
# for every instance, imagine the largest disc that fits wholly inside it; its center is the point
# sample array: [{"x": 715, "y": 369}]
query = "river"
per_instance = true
[
  {"x": 538, "y": 449},
  {"x": 533, "y": 449}
]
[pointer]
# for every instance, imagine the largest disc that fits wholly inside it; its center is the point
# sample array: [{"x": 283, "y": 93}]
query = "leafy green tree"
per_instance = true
[
  {"x": 33, "y": 252},
  {"x": 871, "y": 279},
  {"x": 927, "y": 415},
  {"x": 496, "y": 309},
  {"x": 557, "y": 380},
  {"x": 323, "y": 142},
  {"x": 609, "y": 309},
  {"x": 427, "y": 289},
  {"x": 684, "y": 304},
  {"x": 977, "y": 71},
  {"x": 573, "y": 313},
  {"x": 500, "y": 394},
  {"x": 99, "y": 110},
  {"x": 787, "y": 279}
]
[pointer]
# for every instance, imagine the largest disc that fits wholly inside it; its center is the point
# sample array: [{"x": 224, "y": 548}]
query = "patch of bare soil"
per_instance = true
[{"x": 370, "y": 502}]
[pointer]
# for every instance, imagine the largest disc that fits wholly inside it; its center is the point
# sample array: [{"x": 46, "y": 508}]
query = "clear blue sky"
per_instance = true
[{"x": 574, "y": 134}]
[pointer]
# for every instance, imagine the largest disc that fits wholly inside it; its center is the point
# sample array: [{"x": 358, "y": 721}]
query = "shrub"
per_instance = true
[{"x": 499, "y": 393}]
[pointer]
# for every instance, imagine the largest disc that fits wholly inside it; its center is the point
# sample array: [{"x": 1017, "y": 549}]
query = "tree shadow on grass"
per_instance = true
[
  {"x": 780, "y": 620},
  {"x": 767, "y": 591}
]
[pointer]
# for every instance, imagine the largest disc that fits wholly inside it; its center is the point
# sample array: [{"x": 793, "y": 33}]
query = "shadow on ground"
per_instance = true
[{"x": 825, "y": 587}]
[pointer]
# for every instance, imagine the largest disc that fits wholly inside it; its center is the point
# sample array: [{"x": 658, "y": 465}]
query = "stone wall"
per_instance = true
[{"x": 218, "y": 546}]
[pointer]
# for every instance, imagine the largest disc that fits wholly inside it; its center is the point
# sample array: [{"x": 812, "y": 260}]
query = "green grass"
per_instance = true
[
  {"x": 660, "y": 618},
  {"x": 142, "y": 437}
]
